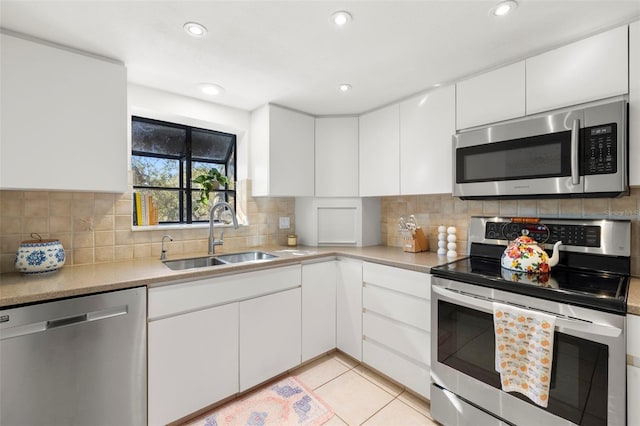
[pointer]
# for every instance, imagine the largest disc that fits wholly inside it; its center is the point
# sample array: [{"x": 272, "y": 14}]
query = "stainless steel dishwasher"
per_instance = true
[{"x": 77, "y": 361}]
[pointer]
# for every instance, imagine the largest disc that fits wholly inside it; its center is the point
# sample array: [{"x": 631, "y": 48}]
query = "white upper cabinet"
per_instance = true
[
  {"x": 490, "y": 97},
  {"x": 282, "y": 152},
  {"x": 634, "y": 103},
  {"x": 380, "y": 152},
  {"x": 427, "y": 123},
  {"x": 336, "y": 155},
  {"x": 63, "y": 119},
  {"x": 587, "y": 70}
]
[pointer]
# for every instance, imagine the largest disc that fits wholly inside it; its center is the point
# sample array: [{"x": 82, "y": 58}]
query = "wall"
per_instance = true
[
  {"x": 96, "y": 227},
  {"x": 434, "y": 210}
]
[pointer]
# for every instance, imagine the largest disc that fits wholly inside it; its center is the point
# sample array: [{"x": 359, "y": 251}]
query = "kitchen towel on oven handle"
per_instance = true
[{"x": 524, "y": 351}]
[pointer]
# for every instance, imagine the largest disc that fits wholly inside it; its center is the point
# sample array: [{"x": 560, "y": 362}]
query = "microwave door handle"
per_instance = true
[
  {"x": 575, "y": 138},
  {"x": 485, "y": 304}
]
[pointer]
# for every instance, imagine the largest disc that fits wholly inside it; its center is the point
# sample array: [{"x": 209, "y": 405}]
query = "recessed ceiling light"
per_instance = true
[
  {"x": 504, "y": 7},
  {"x": 344, "y": 87},
  {"x": 341, "y": 18},
  {"x": 211, "y": 89},
  {"x": 194, "y": 29}
]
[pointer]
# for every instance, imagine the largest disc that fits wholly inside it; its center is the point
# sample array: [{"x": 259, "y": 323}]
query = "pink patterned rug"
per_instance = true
[{"x": 287, "y": 402}]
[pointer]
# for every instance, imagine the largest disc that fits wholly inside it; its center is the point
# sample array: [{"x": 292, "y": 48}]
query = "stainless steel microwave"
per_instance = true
[{"x": 581, "y": 152}]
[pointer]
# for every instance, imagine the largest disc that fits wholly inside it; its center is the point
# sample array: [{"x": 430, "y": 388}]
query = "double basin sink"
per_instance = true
[{"x": 219, "y": 259}]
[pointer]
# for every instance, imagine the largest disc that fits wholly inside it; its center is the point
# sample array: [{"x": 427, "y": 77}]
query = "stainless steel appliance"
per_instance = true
[
  {"x": 580, "y": 152},
  {"x": 586, "y": 292},
  {"x": 78, "y": 361}
]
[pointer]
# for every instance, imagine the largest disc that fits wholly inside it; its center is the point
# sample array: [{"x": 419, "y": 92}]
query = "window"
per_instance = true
[{"x": 165, "y": 157}]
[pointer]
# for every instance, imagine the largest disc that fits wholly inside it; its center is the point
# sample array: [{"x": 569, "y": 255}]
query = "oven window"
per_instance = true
[
  {"x": 527, "y": 158},
  {"x": 579, "y": 378}
]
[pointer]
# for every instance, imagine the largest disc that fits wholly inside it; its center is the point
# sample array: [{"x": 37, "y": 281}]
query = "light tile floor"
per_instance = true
[{"x": 359, "y": 396}]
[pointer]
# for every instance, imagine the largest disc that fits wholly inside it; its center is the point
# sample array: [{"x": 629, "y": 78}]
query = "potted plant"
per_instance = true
[{"x": 210, "y": 182}]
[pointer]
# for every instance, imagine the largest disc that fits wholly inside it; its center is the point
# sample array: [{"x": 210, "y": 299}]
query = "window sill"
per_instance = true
[{"x": 179, "y": 226}]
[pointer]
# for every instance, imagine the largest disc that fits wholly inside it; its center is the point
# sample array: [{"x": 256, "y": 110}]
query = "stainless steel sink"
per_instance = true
[
  {"x": 220, "y": 259},
  {"x": 194, "y": 262},
  {"x": 248, "y": 256}
]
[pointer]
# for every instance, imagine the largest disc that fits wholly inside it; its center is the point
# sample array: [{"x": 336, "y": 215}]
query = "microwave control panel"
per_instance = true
[
  {"x": 600, "y": 153},
  {"x": 572, "y": 235}
]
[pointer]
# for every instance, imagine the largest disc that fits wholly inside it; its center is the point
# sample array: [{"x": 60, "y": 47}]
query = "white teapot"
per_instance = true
[{"x": 525, "y": 255}]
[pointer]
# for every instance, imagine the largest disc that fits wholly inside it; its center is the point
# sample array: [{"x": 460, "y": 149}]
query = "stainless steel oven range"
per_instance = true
[{"x": 587, "y": 294}]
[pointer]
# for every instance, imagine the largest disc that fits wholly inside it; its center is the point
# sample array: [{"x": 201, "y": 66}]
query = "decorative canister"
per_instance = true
[
  {"x": 292, "y": 240},
  {"x": 39, "y": 255}
]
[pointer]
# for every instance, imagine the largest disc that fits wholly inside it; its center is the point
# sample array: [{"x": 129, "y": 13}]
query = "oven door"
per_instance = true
[{"x": 588, "y": 382}]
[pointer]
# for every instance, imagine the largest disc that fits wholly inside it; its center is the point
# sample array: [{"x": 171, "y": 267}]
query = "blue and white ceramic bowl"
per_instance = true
[{"x": 37, "y": 256}]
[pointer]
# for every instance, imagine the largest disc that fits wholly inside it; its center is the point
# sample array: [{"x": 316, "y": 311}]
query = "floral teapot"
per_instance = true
[{"x": 525, "y": 255}]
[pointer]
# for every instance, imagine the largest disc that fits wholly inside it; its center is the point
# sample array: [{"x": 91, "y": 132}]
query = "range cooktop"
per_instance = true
[
  {"x": 599, "y": 290},
  {"x": 591, "y": 273}
]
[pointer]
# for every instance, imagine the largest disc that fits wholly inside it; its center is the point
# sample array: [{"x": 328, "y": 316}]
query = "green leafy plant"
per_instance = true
[{"x": 210, "y": 182}]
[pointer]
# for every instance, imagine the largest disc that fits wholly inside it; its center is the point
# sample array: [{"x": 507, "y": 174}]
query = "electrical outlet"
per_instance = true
[{"x": 285, "y": 223}]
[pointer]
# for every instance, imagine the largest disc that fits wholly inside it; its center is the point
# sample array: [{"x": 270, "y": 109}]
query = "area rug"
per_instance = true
[{"x": 287, "y": 402}]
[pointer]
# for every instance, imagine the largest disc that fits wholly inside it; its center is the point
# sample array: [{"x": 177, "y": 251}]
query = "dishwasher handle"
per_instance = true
[
  {"x": 38, "y": 327},
  {"x": 61, "y": 322}
]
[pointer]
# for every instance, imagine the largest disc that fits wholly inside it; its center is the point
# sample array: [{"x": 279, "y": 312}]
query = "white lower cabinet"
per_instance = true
[
  {"x": 318, "y": 309},
  {"x": 633, "y": 369},
  {"x": 633, "y": 395},
  {"x": 193, "y": 362},
  {"x": 349, "y": 307},
  {"x": 213, "y": 337},
  {"x": 269, "y": 336},
  {"x": 396, "y": 324}
]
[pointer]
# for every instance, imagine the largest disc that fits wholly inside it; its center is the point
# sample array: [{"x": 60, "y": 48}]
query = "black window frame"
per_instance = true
[{"x": 186, "y": 188}]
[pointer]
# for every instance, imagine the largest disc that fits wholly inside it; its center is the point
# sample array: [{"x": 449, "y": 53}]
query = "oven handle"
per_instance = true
[
  {"x": 485, "y": 304},
  {"x": 575, "y": 138}
]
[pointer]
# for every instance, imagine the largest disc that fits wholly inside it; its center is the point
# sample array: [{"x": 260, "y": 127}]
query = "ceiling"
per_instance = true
[{"x": 289, "y": 53}]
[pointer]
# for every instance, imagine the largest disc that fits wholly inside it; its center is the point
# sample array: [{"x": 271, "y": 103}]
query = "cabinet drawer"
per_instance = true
[
  {"x": 410, "y": 341},
  {"x": 190, "y": 296},
  {"x": 413, "y": 376},
  {"x": 407, "y": 309},
  {"x": 633, "y": 335},
  {"x": 411, "y": 282}
]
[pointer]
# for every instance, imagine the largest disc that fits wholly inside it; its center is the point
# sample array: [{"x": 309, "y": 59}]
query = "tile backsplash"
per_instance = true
[
  {"x": 443, "y": 209},
  {"x": 96, "y": 227}
]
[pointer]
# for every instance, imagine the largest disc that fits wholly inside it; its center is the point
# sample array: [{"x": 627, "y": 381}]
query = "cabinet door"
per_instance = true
[
  {"x": 349, "y": 308},
  {"x": 318, "y": 309},
  {"x": 634, "y": 103},
  {"x": 282, "y": 152},
  {"x": 587, "y": 70},
  {"x": 633, "y": 395},
  {"x": 269, "y": 336},
  {"x": 427, "y": 123},
  {"x": 633, "y": 369},
  {"x": 380, "y": 152},
  {"x": 63, "y": 122},
  {"x": 192, "y": 362},
  {"x": 291, "y": 146},
  {"x": 336, "y": 157},
  {"x": 490, "y": 97}
]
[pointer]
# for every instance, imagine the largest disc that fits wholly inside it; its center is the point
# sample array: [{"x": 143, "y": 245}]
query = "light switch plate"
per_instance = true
[{"x": 285, "y": 223}]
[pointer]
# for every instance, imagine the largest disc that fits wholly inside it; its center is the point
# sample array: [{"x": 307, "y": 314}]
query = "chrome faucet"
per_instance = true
[
  {"x": 212, "y": 241},
  {"x": 163, "y": 254}
]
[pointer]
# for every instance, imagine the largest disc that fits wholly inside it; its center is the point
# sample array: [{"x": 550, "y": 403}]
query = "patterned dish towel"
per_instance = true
[{"x": 524, "y": 351}]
